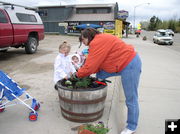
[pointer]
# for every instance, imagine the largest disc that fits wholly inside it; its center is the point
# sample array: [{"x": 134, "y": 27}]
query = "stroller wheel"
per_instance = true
[
  {"x": 32, "y": 116},
  {"x": 37, "y": 106},
  {"x": 2, "y": 109}
]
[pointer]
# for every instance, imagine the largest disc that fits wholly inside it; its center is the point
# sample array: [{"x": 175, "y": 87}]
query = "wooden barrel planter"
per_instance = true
[{"x": 82, "y": 105}]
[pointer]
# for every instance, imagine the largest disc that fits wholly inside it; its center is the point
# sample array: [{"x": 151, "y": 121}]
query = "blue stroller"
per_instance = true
[{"x": 10, "y": 93}]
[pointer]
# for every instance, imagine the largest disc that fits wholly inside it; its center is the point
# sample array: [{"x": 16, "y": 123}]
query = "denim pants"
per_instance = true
[{"x": 130, "y": 79}]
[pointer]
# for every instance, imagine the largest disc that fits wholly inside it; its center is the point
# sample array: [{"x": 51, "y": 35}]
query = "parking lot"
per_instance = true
[
  {"x": 32, "y": 70},
  {"x": 35, "y": 73}
]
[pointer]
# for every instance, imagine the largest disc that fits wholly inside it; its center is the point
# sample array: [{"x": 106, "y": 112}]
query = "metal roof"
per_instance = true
[
  {"x": 80, "y": 5},
  {"x": 94, "y": 5},
  {"x": 88, "y": 17},
  {"x": 92, "y": 17}
]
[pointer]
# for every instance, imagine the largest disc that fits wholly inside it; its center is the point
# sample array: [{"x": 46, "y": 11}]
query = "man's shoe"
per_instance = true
[{"x": 127, "y": 131}]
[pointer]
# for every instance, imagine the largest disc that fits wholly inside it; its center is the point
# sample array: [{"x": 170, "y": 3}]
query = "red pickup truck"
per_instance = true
[{"x": 20, "y": 27}]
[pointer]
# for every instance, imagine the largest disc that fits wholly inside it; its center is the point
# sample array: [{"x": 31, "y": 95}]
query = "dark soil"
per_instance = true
[{"x": 84, "y": 83}]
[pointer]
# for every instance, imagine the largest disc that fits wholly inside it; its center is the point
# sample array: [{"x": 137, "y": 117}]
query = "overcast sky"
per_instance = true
[{"x": 164, "y": 9}]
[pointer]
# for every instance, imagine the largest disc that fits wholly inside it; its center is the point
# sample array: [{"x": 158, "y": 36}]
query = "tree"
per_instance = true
[
  {"x": 144, "y": 25},
  {"x": 158, "y": 24},
  {"x": 155, "y": 23},
  {"x": 172, "y": 25},
  {"x": 152, "y": 23}
]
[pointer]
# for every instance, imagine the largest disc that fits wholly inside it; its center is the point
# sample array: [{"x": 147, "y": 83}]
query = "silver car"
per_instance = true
[
  {"x": 170, "y": 32},
  {"x": 161, "y": 37}
]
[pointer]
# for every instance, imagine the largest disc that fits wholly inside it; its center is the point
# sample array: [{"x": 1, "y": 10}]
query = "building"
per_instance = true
[
  {"x": 70, "y": 18},
  {"x": 54, "y": 18},
  {"x": 98, "y": 14}
]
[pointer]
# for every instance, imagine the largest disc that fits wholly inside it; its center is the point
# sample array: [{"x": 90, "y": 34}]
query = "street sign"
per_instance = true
[{"x": 122, "y": 14}]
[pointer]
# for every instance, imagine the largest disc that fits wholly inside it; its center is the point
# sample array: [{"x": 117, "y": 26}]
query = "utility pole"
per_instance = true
[{"x": 135, "y": 12}]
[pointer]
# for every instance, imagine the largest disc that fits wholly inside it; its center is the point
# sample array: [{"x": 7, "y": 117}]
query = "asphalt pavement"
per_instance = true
[{"x": 176, "y": 39}]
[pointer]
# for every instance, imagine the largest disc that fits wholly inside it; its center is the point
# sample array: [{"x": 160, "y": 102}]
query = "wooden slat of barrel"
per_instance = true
[{"x": 82, "y": 106}]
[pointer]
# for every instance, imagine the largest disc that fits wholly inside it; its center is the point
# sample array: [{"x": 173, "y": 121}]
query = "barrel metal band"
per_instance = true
[
  {"x": 82, "y": 120},
  {"x": 82, "y": 114},
  {"x": 82, "y": 102}
]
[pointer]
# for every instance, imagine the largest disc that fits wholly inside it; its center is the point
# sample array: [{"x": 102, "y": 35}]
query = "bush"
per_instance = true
[{"x": 144, "y": 38}]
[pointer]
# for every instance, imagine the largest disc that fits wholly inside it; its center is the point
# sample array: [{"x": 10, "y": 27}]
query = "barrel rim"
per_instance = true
[{"x": 59, "y": 85}]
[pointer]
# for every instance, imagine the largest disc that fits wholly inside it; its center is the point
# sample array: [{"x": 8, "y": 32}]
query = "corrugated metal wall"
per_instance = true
[{"x": 55, "y": 15}]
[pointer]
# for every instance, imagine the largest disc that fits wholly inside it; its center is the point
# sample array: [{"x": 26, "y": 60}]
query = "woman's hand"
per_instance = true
[
  {"x": 66, "y": 77},
  {"x": 74, "y": 76}
]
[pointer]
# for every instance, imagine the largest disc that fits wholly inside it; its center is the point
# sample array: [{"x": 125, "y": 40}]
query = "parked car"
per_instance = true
[
  {"x": 170, "y": 32},
  {"x": 20, "y": 27},
  {"x": 161, "y": 37}
]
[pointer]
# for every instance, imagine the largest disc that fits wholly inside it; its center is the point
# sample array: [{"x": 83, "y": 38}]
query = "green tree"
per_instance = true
[
  {"x": 155, "y": 23},
  {"x": 158, "y": 24},
  {"x": 152, "y": 23},
  {"x": 144, "y": 25},
  {"x": 177, "y": 26},
  {"x": 172, "y": 25}
]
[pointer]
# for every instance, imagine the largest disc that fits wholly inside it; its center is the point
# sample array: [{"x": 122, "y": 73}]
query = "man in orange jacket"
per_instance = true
[{"x": 109, "y": 56}]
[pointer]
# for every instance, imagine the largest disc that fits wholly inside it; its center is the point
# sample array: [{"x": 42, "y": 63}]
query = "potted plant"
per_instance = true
[
  {"x": 96, "y": 128},
  {"x": 82, "y": 99}
]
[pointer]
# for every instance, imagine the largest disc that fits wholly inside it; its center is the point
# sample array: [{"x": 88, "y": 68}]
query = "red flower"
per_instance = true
[{"x": 85, "y": 131}]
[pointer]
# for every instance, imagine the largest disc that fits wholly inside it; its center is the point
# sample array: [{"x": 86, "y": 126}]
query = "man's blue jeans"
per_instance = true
[{"x": 130, "y": 79}]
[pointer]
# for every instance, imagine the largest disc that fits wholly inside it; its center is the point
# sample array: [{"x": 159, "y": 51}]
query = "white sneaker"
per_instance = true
[{"x": 127, "y": 131}]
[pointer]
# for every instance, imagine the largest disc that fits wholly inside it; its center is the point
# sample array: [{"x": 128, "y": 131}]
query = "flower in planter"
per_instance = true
[
  {"x": 68, "y": 82},
  {"x": 82, "y": 83},
  {"x": 79, "y": 82},
  {"x": 97, "y": 128},
  {"x": 85, "y": 131}
]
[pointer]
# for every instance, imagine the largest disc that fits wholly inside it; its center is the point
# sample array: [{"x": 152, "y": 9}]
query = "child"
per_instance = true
[
  {"x": 63, "y": 68},
  {"x": 85, "y": 52},
  {"x": 84, "y": 55},
  {"x": 76, "y": 61}
]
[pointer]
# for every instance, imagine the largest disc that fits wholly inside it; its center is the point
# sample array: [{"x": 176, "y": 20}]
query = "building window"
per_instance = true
[
  {"x": 26, "y": 17},
  {"x": 43, "y": 12},
  {"x": 84, "y": 11},
  {"x": 3, "y": 18},
  {"x": 92, "y": 10},
  {"x": 105, "y": 10}
]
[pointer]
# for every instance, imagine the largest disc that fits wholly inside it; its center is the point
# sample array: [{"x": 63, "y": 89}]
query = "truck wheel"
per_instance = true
[
  {"x": 5, "y": 50},
  {"x": 31, "y": 45}
]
